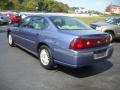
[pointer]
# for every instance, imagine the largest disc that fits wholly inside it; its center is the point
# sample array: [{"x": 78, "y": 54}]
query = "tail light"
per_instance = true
[
  {"x": 84, "y": 43},
  {"x": 14, "y": 17},
  {"x": 18, "y": 17}
]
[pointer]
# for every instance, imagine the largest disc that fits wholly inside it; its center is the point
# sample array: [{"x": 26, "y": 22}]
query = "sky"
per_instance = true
[{"x": 98, "y": 5}]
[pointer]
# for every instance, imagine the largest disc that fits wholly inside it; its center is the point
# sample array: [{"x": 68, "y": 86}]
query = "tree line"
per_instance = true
[{"x": 34, "y": 5}]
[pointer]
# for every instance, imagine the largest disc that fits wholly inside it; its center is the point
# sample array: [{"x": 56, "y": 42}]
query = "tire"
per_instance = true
[
  {"x": 9, "y": 22},
  {"x": 1, "y": 23},
  {"x": 45, "y": 58},
  {"x": 111, "y": 35},
  {"x": 10, "y": 40}
]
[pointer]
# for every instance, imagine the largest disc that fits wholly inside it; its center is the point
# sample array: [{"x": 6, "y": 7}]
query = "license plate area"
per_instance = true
[{"x": 100, "y": 54}]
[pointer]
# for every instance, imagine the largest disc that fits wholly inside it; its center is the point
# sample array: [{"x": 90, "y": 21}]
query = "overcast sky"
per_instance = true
[{"x": 99, "y": 5}]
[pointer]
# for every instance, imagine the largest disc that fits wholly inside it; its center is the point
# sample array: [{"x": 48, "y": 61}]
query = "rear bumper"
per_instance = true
[
  {"x": 81, "y": 58},
  {"x": 88, "y": 58}
]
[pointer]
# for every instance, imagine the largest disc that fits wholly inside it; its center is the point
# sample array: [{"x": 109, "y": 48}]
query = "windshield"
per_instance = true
[
  {"x": 111, "y": 20},
  {"x": 108, "y": 18},
  {"x": 68, "y": 23}
]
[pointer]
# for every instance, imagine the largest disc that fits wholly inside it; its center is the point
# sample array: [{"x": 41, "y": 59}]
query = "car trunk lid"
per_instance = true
[
  {"x": 86, "y": 33},
  {"x": 88, "y": 39}
]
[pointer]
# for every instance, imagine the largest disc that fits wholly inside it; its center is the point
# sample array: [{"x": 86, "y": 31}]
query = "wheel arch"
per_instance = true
[
  {"x": 51, "y": 64},
  {"x": 8, "y": 32},
  {"x": 110, "y": 31},
  {"x": 41, "y": 44}
]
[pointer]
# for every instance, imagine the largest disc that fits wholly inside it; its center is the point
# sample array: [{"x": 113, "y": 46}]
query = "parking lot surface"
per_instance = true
[{"x": 19, "y": 70}]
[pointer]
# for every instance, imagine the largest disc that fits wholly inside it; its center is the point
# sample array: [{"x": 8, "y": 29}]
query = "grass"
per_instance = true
[{"x": 91, "y": 19}]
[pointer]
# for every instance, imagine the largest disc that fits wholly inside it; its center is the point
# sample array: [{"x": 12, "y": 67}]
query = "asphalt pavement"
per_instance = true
[{"x": 20, "y": 70}]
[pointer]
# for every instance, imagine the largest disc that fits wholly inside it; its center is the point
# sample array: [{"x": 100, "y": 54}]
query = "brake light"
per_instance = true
[
  {"x": 84, "y": 43},
  {"x": 76, "y": 44},
  {"x": 14, "y": 17},
  {"x": 88, "y": 43}
]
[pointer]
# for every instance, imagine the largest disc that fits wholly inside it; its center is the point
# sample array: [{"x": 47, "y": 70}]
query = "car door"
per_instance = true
[
  {"x": 31, "y": 32},
  {"x": 118, "y": 27},
  {"x": 18, "y": 33}
]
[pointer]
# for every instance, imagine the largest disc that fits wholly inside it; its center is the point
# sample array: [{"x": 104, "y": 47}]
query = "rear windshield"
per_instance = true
[{"x": 68, "y": 23}]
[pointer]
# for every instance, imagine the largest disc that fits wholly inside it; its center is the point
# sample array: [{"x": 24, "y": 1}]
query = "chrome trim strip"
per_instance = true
[
  {"x": 25, "y": 39},
  {"x": 26, "y": 49}
]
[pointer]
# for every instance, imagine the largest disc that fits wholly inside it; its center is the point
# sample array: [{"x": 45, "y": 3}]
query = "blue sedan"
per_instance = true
[{"x": 60, "y": 40}]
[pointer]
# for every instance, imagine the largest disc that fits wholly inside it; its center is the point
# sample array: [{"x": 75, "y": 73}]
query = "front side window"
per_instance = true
[
  {"x": 68, "y": 23},
  {"x": 25, "y": 22},
  {"x": 38, "y": 23},
  {"x": 112, "y": 21}
]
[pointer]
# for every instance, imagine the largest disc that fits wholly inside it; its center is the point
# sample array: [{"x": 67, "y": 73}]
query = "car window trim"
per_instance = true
[{"x": 32, "y": 19}]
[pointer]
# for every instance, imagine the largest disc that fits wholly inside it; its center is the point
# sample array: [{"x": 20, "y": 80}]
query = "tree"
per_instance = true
[
  {"x": 52, "y": 6},
  {"x": 42, "y": 5},
  {"x": 13, "y": 4},
  {"x": 29, "y": 4},
  {"x": 10, "y": 5},
  {"x": 108, "y": 8},
  {"x": 16, "y": 4},
  {"x": 3, "y": 3}
]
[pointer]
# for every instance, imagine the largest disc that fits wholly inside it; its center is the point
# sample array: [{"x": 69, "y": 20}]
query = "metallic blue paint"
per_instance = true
[{"x": 58, "y": 41}]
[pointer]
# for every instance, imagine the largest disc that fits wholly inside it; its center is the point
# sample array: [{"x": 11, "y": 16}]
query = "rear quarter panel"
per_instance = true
[
  {"x": 61, "y": 51},
  {"x": 58, "y": 42}
]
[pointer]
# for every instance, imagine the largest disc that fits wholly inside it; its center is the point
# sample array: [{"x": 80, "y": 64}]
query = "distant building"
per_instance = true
[
  {"x": 115, "y": 9},
  {"x": 81, "y": 10}
]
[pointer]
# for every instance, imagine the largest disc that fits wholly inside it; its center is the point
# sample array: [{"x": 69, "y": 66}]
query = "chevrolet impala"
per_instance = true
[{"x": 60, "y": 40}]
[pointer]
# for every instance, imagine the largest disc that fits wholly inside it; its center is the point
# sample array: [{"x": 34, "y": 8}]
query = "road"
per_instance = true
[{"x": 19, "y": 70}]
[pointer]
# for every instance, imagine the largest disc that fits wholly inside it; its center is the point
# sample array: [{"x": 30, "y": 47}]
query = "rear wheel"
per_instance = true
[{"x": 45, "y": 57}]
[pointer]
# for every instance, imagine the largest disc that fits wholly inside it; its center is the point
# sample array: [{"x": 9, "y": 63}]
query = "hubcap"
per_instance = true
[
  {"x": 10, "y": 21},
  {"x": 10, "y": 39},
  {"x": 111, "y": 37},
  {"x": 44, "y": 57}
]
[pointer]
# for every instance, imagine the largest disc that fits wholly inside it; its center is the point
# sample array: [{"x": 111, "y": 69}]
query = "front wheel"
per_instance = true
[
  {"x": 45, "y": 57},
  {"x": 112, "y": 36},
  {"x": 10, "y": 40}
]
